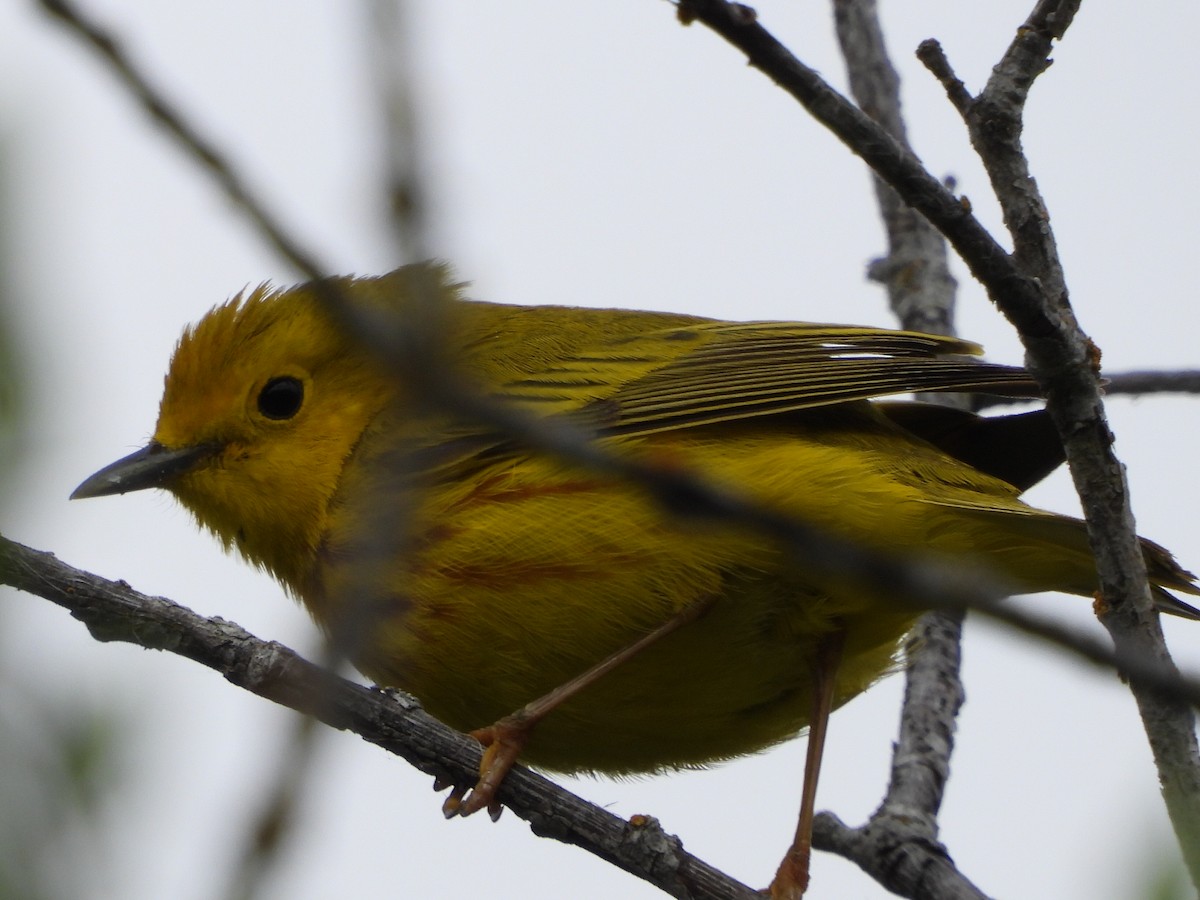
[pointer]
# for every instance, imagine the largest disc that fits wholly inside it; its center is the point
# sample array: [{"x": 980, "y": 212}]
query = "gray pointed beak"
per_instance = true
[{"x": 152, "y": 466}]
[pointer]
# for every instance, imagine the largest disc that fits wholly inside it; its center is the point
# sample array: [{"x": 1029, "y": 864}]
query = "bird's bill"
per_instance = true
[{"x": 152, "y": 466}]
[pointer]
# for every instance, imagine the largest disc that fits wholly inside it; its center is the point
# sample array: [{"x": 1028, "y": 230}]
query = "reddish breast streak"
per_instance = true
[{"x": 499, "y": 489}]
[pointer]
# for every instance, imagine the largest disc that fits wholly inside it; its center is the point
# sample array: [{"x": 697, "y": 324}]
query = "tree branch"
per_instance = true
[
  {"x": 206, "y": 154},
  {"x": 112, "y": 611},
  {"x": 896, "y": 857},
  {"x": 1017, "y": 294},
  {"x": 1066, "y": 363},
  {"x": 1136, "y": 384},
  {"x": 916, "y": 270}
]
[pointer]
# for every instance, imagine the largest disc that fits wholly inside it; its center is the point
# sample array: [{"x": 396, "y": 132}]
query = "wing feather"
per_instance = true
[{"x": 708, "y": 372}]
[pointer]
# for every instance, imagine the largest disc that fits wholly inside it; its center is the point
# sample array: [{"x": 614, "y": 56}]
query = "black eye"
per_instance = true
[{"x": 281, "y": 397}]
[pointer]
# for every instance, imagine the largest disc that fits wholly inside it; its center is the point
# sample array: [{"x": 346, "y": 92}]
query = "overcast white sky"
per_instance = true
[{"x": 592, "y": 154}]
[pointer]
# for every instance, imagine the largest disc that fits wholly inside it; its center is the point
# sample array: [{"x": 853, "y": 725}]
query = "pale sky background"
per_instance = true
[{"x": 591, "y": 154}]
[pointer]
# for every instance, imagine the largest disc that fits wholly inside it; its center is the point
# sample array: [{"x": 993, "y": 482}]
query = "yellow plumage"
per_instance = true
[{"x": 513, "y": 572}]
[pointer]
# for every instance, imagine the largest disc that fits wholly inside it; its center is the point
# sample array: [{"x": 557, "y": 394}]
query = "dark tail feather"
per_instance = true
[
  {"x": 1172, "y": 605},
  {"x": 1021, "y": 449},
  {"x": 1165, "y": 573}
]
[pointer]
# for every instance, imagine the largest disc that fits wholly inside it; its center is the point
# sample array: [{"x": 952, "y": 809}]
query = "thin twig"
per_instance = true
[
  {"x": 389, "y": 46},
  {"x": 1137, "y": 384},
  {"x": 206, "y": 154},
  {"x": 930, "y": 53},
  {"x": 1018, "y": 295}
]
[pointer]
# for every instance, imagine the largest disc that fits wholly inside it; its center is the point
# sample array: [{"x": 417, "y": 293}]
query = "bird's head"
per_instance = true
[{"x": 265, "y": 400}]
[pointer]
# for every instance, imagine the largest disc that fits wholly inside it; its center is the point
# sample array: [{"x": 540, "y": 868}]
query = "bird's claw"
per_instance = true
[
  {"x": 453, "y": 803},
  {"x": 503, "y": 743}
]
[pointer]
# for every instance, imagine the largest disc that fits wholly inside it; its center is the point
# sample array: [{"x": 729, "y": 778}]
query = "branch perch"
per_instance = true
[{"x": 112, "y": 611}]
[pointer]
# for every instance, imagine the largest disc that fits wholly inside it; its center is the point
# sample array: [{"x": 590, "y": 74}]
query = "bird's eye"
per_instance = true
[{"x": 281, "y": 397}]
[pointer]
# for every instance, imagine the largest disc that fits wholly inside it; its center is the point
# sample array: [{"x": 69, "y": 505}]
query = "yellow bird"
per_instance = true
[{"x": 486, "y": 579}]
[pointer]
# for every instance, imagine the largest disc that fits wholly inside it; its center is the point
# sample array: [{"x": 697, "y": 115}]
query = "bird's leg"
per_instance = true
[
  {"x": 505, "y": 739},
  {"x": 791, "y": 880}
]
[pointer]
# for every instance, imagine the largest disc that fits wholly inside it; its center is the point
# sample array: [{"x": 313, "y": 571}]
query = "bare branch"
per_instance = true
[
  {"x": 160, "y": 108},
  {"x": 901, "y": 858},
  {"x": 389, "y": 49},
  {"x": 1121, "y": 384},
  {"x": 930, "y": 52},
  {"x": 112, "y": 611},
  {"x": 1137, "y": 384},
  {"x": 1016, "y": 293},
  {"x": 1065, "y": 363},
  {"x": 916, "y": 270}
]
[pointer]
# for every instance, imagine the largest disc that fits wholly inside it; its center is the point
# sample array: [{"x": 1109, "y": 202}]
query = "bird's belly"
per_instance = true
[
  {"x": 733, "y": 681},
  {"x": 524, "y": 580}
]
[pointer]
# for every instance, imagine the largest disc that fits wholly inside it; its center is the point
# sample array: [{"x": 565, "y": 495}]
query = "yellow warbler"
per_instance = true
[{"x": 513, "y": 573}]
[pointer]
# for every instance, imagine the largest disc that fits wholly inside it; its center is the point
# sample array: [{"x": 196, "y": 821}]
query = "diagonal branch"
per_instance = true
[
  {"x": 1065, "y": 363},
  {"x": 112, "y": 611},
  {"x": 206, "y": 153},
  {"x": 1017, "y": 294}
]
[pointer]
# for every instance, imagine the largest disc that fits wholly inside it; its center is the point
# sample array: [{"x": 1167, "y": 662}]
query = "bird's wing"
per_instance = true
[{"x": 709, "y": 372}]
